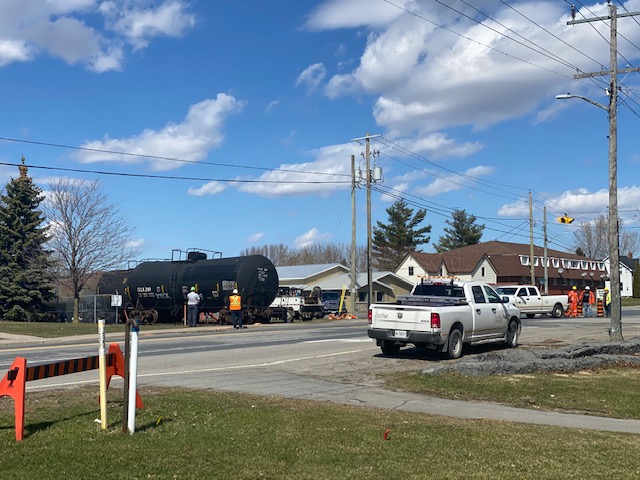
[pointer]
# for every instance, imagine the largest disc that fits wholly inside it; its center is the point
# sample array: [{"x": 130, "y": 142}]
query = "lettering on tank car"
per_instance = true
[{"x": 263, "y": 274}]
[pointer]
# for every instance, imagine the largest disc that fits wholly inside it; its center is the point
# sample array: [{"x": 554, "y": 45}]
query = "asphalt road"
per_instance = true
[{"x": 330, "y": 361}]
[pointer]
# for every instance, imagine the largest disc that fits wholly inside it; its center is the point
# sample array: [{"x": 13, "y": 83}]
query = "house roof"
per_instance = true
[
  {"x": 503, "y": 256},
  {"x": 302, "y": 276},
  {"x": 302, "y": 272}
]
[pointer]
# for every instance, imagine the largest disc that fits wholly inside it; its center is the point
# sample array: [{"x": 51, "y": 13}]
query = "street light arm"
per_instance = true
[{"x": 565, "y": 96}]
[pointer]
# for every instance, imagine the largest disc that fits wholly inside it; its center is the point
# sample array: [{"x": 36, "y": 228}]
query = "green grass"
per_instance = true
[
  {"x": 607, "y": 392},
  {"x": 630, "y": 302},
  {"x": 183, "y": 434},
  {"x": 52, "y": 330}
]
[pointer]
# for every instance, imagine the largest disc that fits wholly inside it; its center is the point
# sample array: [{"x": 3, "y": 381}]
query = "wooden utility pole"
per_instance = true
[
  {"x": 532, "y": 266},
  {"x": 615, "y": 329},
  {"x": 544, "y": 257},
  {"x": 353, "y": 237}
]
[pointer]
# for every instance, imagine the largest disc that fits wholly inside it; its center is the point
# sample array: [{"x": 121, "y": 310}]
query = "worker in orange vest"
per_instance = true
[
  {"x": 573, "y": 301},
  {"x": 588, "y": 299},
  {"x": 235, "y": 307}
]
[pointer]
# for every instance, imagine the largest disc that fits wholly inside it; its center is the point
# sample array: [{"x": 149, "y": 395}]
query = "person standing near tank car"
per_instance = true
[
  {"x": 235, "y": 307},
  {"x": 193, "y": 299}
]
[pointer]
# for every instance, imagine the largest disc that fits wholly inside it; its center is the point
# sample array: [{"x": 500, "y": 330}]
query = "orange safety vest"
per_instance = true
[{"x": 235, "y": 302}]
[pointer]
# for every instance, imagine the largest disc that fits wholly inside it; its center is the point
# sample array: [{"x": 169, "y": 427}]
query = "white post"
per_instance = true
[
  {"x": 133, "y": 378},
  {"x": 102, "y": 361}
]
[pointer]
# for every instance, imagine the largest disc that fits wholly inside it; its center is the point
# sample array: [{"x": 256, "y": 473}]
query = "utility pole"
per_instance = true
[
  {"x": 532, "y": 266},
  {"x": 367, "y": 156},
  {"x": 544, "y": 258},
  {"x": 615, "y": 329},
  {"x": 353, "y": 236}
]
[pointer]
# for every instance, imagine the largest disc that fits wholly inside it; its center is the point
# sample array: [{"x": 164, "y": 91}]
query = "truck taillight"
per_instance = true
[
  {"x": 435, "y": 320},
  {"x": 369, "y": 317}
]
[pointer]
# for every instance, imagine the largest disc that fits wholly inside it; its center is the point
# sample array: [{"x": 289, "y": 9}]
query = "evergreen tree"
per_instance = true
[
  {"x": 393, "y": 241},
  {"x": 463, "y": 232},
  {"x": 26, "y": 279}
]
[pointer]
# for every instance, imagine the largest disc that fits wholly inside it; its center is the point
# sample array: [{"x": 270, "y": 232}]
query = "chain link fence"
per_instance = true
[{"x": 91, "y": 309}]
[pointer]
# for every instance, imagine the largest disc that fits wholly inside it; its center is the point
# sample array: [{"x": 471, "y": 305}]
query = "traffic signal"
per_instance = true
[{"x": 565, "y": 219}]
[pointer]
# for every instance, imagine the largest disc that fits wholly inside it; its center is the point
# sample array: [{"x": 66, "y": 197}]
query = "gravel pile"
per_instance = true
[{"x": 569, "y": 358}]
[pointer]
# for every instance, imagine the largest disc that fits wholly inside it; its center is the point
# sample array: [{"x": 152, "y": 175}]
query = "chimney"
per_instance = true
[{"x": 630, "y": 255}]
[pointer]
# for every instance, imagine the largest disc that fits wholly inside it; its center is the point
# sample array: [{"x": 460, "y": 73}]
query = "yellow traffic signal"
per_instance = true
[{"x": 565, "y": 219}]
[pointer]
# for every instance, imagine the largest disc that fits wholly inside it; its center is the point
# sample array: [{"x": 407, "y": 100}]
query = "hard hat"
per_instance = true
[
  {"x": 587, "y": 287},
  {"x": 193, "y": 289},
  {"x": 574, "y": 288},
  {"x": 606, "y": 289},
  {"x": 235, "y": 290}
]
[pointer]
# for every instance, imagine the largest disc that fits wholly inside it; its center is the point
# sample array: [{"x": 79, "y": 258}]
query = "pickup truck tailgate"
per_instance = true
[{"x": 401, "y": 317}]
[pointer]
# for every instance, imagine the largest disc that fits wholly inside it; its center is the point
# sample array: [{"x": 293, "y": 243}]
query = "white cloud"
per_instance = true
[
  {"x": 353, "y": 13},
  {"x": 439, "y": 145},
  {"x": 312, "y": 76},
  {"x": 330, "y": 170},
  {"x": 427, "y": 78},
  {"x": 273, "y": 104},
  {"x": 256, "y": 237},
  {"x": 139, "y": 25},
  {"x": 191, "y": 139},
  {"x": 209, "y": 188},
  {"x": 583, "y": 202},
  {"x": 71, "y": 30},
  {"x": 14, "y": 51},
  {"x": 454, "y": 181},
  {"x": 311, "y": 237}
]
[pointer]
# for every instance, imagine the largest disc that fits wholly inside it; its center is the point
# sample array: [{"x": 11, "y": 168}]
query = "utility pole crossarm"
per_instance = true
[
  {"x": 600, "y": 19},
  {"x": 605, "y": 72}
]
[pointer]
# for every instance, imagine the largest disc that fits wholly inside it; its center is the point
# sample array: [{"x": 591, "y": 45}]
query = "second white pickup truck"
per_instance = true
[
  {"x": 444, "y": 314},
  {"x": 531, "y": 302}
]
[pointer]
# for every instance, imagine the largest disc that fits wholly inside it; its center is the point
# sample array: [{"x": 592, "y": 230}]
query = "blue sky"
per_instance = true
[{"x": 251, "y": 107}]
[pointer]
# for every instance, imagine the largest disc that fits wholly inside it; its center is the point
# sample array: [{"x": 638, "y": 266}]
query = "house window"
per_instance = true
[
  {"x": 556, "y": 262},
  {"x": 584, "y": 265},
  {"x": 482, "y": 271},
  {"x": 575, "y": 264},
  {"x": 601, "y": 266},
  {"x": 411, "y": 271},
  {"x": 379, "y": 296},
  {"x": 524, "y": 260}
]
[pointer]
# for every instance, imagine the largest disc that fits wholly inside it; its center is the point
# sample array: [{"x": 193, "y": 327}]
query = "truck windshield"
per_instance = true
[
  {"x": 506, "y": 290},
  {"x": 439, "y": 290}
]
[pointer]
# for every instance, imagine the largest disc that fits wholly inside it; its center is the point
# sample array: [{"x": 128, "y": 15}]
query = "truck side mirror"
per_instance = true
[{"x": 505, "y": 299}]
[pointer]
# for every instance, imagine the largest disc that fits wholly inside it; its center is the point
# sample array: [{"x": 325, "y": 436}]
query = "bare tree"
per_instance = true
[
  {"x": 282, "y": 255},
  {"x": 88, "y": 234},
  {"x": 593, "y": 238},
  {"x": 278, "y": 254}
]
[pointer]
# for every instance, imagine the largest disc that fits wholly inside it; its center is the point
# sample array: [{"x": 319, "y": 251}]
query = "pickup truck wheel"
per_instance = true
[
  {"x": 557, "y": 311},
  {"x": 454, "y": 345},
  {"x": 389, "y": 348},
  {"x": 511, "y": 338}
]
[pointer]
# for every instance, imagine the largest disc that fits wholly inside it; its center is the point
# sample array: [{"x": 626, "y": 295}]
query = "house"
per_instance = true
[
  {"x": 503, "y": 263},
  {"x": 627, "y": 267},
  {"x": 335, "y": 277}
]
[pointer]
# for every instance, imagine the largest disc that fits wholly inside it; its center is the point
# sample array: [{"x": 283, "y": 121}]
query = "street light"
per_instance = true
[{"x": 615, "y": 330}]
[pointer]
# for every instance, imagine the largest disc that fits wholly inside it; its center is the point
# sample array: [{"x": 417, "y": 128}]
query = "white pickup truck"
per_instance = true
[
  {"x": 444, "y": 314},
  {"x": 531, "y": 302}
]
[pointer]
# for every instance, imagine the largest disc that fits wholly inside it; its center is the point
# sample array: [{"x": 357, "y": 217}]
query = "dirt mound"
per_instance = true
[{"x": 568, "y": 358}]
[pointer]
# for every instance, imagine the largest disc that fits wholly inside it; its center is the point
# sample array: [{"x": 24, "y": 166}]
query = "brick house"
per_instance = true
[{"x": 503, "y": 263}]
